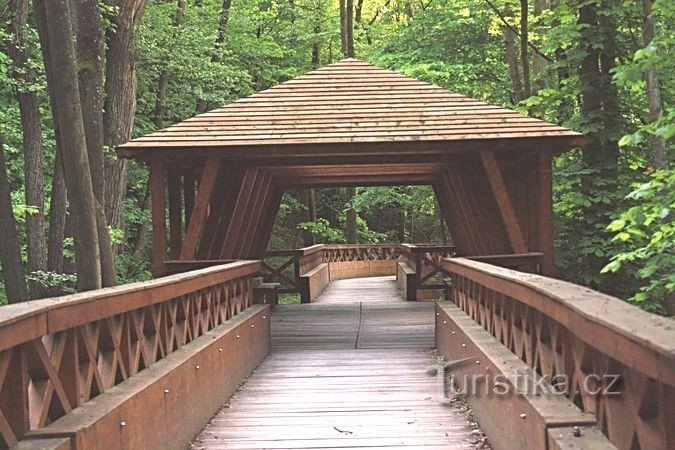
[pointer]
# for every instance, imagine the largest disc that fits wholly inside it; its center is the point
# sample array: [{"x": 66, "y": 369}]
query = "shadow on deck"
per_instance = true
[{"x": 348, "y": 371}]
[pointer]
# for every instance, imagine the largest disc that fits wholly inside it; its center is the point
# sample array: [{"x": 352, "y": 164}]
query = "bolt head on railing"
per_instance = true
[
  {"x": 123, "y": 424},
  {"x": 166, "y": 391}
]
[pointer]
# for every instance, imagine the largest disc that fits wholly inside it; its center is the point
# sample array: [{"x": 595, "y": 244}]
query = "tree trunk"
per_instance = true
[
  {"x": 222, "y": 24},
  {"x": 163, "y": 81},
  {"x": 203, "y": 106},
  {"x": 307, "y": 236},
  {"x": 142, "y": 233},
  {"x": 120, "y": 101},
  {"x": 350, "y": 29},
  {"x": 10, "y": 249},
  {"x": 58, "y": 201},
  {"x": 33, "y": 149},
  {"x": 358, "y": 14},
  {"x": 350, "y": 225},
  {"x": 343, "y": 26},
  {"x": 90, "y": 57},
  {"x": 539, "y": 63},
  {"x": 512, "y": 61},
  {"x": 58, "y": 38},
  {"x": 57, "y": 220},
  {"x": 316, "y": 45},
  {"x": 524, "y": 42},
  {"x": 653, "y": 88}
]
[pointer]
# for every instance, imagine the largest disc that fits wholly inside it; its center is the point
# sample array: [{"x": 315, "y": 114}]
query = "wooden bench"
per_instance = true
[
  {"x": 314, "y": 282},
  {"x": 406, "y": 279}
]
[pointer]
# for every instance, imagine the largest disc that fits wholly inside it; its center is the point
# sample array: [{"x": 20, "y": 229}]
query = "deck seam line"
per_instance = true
[{"x": 358, "y": 329}]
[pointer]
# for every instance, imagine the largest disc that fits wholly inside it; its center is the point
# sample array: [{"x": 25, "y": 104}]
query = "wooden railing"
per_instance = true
[
  {"x": 425, "y": 261},
  {"x": 427, "y": 278},
  {"x": 56, "y": 354},
  {"x": 352, "y": 253},
  {"x": 565, "y": 331}
]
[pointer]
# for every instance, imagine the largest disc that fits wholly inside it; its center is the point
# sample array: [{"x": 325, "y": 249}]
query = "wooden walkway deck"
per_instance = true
[{"x": 349, "y": 371}]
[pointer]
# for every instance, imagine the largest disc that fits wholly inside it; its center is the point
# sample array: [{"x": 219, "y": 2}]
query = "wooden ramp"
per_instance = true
[{"x": 344, "y": 374}]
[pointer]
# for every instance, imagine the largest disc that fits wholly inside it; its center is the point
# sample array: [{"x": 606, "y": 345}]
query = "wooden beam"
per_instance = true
[
  {"x": 504, "y": 204},
  {"x": 201, "y": 207},
  {"x": 272, "y": 208},
  {"x": 175, "y": 211},
  {"x": 544, "y": 209},
  {"x": 257, "y": 216},
  {"x": 158, "y": 216},
  {"x": 241, "y": 209},
  {"x": 465, "y": 211},
  {"x": 223, "y": 199}
]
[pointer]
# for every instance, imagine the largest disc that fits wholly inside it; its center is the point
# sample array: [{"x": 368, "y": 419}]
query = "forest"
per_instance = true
[{"x": 80, "y": 77}]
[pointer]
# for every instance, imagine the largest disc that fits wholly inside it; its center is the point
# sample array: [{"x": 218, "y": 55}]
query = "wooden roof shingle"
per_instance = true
[{"x": 349, "y": 102}]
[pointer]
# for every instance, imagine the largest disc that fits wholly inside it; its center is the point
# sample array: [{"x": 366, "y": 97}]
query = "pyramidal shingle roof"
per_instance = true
[{"x": 352, "y": 102}]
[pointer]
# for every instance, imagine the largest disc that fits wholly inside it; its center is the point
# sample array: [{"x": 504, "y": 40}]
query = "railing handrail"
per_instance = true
[
  {"x": 23, "y": 322},
  {"x": 638, "y": 339}
]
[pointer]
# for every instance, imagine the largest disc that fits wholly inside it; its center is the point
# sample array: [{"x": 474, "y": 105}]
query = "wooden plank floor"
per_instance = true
[{"x": 344, "y": 374}]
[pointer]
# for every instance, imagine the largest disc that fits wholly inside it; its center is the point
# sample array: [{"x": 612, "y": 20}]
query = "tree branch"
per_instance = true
[{"x": 516, "y": 32}]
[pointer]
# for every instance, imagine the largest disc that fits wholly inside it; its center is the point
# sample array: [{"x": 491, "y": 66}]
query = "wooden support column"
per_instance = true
[
  {"x": 189, "y": 192},
  {"x": 504, "y": 204},
  {"x": 158, "y": 216},
  {"x": 175, "y": 212},
  {"x": 544, "y": 210},
  {"x": 201, "y": 208}
]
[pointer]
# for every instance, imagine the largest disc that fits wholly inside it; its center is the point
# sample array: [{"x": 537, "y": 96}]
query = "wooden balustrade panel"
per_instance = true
[
  {"x": 349, "y": 253},
  {"x": 609, "y": 358},
  {"x": 94, "y": 341}
]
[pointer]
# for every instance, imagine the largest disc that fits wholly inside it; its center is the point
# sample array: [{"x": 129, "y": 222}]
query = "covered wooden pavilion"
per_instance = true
[{"x": 223, "y": 173}]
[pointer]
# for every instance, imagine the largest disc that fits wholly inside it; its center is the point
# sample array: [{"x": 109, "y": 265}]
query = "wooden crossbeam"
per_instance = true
[
  {"x": 503, "y": 200},
  {"x": 200, "y": 211}
]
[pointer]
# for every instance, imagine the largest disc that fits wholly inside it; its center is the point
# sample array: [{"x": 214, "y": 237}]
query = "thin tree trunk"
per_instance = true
[
  {"x": 163, "y": 81},
  {"x": 58, "y": 38},
  {"x": 222, "y": 23},
  {"x": 343, "y": 26},
  {"x": 350, "y": 29},
  {"x": 350, "y": 225},
  {"x": 653, "y": 88},
  {"x": 142, "y": 233},
  {"x": 512, "y": 61},
  {"x": 10, "y": 249},
  {"x": 539, "y": 63},
  {"x": 358, "y": 14},
  {"x": 316, "y": 45},
  {"x": 524, "y": 42},
  {"x": 33, "y": 149},
  {"x": 307, "y": 236},
  {"x": 120, "y": 101},
  {"x": 90, "y": 57}
]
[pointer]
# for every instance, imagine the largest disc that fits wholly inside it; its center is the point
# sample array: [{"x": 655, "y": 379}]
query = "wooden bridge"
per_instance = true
[{"x": 169, "y": 363}]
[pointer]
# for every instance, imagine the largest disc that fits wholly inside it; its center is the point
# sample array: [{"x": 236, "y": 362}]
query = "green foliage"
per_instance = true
[
  {"x": 323, "y": 232},
  {"x": 645, "y": 233}
]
